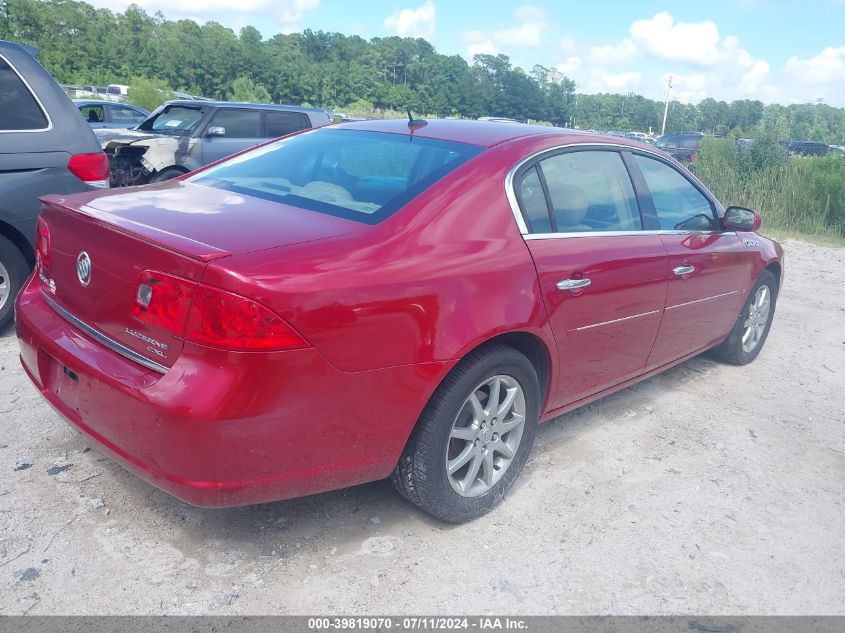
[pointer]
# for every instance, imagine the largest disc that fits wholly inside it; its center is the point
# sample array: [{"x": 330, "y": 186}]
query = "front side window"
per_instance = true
[
  {"x": 20, "y": 110},
  {"x": 679, "y": 205},
  {"x": 588, "y": 191},
  {"x": 362, "y": 176},
  {"x": 173, "y": 119},
  {"x": 238, "y": 123}
]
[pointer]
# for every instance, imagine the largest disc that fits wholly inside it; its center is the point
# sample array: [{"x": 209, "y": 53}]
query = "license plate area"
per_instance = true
[{"x": 64, "y": 383}]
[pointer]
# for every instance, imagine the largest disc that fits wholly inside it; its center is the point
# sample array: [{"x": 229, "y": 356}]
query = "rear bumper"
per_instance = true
[{"x": 223, "y": 428}]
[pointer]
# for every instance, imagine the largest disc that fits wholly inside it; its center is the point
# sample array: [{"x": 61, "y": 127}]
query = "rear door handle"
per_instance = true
[
  {"x": 680, "y": 271},
  {"x": 573, "y": 284}
]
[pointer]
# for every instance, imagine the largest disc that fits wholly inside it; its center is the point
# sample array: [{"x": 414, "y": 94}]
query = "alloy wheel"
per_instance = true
[
  {"x": 485, "y": 436},
  {"x": 5, "y": 285},
  {"x": 758, "y": 317}
]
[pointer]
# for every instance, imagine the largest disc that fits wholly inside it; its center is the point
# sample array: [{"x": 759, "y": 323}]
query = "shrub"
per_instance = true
[{"x": 805, "y": 195}]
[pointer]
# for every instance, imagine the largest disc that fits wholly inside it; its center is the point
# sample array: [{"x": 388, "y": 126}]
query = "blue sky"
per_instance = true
[{"x": 774, "y": 50}]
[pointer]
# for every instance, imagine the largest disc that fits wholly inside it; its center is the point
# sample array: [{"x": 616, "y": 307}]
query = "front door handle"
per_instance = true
[
  {"x": 573, "y": 284},
  {"x": 680, "y": 271}
]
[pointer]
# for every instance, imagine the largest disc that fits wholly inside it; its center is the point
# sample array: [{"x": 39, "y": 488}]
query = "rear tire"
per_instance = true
[
  {"x": 751, "y": 329},
  {"x": 13, "y": 274},
  {"x": 463, "y": 429},
  {"x": 168, "y": 173}
]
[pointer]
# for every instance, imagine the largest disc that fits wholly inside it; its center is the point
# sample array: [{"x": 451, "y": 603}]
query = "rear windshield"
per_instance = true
[
  {"x": 363, "y": 176},
  {"x": 173, "y": 120},
  {"x": 18, "y": 105}
]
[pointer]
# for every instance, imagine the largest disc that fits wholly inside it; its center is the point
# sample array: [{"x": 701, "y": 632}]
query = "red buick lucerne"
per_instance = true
[{"x": 381, "y": 298}]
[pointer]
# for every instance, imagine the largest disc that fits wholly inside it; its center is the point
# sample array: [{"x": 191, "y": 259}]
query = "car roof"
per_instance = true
[
  {"x": 104, "y": 102},
  {"x": 6, "y": 45},
  {"x": 202, "y": 103},
  {"x": 483, "y": 133}
]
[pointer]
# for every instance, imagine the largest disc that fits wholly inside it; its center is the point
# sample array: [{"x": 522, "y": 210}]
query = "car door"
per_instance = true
[
  {"x": 602, "y": 278},
  {"x": 95, "y": 114},
  {"x": 706, "y": 266},
  {"x": 123, "y": 117},
  {"x": 230, "y": 130}
]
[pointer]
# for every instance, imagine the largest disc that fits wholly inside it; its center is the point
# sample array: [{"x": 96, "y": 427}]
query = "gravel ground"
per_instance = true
[{"x": 707, "y": 489}]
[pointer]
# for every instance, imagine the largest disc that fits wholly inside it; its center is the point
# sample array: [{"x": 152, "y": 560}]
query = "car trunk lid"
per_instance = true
[{"x": 174, "y": 228}]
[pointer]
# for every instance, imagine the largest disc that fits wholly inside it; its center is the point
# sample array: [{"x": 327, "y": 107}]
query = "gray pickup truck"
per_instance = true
[
  {"x": 45, "y": 147},
  {"x": 180, "y": 136}
]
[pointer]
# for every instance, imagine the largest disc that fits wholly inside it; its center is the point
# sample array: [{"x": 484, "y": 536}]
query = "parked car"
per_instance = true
[
  {"x": 45, "y": 147},
  {"x": 106, "y": 114},
  {"x": 682, "y": 146},
  {"x": 804, "y": 148},
  {"x": 382, "y": 298},
  {"x": 182, "y": 135}
]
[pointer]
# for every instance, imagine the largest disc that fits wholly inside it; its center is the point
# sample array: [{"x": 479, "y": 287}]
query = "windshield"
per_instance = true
[
  {"x": 363, "y": 176},
  {"x": 173, "y": 119}
]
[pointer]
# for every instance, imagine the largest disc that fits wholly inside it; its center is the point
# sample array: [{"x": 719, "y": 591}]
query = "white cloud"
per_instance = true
[
  {"x": 478, "y": 44},
  {"x": 820, "y": 76},
  {"x": 661, "y": 36},
  {"x": 570, "y": 65},
  {"x": 419, "y": 22},
  {"x": 613, "y": 54},
  {"x": 703, "y": 63},
  {"x": 531, "y": 22},
  {"x": 622, "y": 81}
]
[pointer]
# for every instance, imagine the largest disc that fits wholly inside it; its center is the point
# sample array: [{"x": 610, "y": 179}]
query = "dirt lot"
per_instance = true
[{"x": 709, "y": 488}]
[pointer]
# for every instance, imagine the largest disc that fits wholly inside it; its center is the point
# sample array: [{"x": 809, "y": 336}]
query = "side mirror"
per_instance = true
[
  {"x": 741, "y": 219},
  {"x": 216, "y": 130}
]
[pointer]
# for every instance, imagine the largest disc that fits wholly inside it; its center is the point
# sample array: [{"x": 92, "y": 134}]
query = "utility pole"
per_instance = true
[{"x": 666, "y": 107}]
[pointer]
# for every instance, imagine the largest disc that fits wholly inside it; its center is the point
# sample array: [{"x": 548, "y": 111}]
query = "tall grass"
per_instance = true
[{"x": 794, "y": 195}]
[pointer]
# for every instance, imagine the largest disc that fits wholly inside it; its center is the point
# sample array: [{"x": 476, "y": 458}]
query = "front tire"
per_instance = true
[
  {"x": 473, "y": 437},
  {"x": 751, "y": 329},
  {"x": 13, "y": 274},
  {"x": 168, "y": 173}
]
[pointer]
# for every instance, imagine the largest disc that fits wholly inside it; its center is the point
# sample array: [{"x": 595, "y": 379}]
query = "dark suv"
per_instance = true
[
  {"x": 180, "y": 136},
  {"x": 682, "y": 146},
  {"x": 45, "y": 147}
]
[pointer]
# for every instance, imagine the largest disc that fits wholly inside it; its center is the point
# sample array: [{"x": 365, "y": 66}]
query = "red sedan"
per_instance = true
[{"x": 381, "y": 299}]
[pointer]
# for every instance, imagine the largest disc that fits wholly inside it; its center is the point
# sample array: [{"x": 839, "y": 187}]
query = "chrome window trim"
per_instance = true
[
  {"x": 510, "y": 192},
  {"x": 694, "y": 301},
  {"x": 559, "y": 236},
  {"x": 627, "y": 318},
  {"x": 105, "y": 340},
  {"x": 34, "y": 96}
]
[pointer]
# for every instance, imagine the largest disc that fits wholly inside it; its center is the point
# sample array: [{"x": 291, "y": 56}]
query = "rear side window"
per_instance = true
[
  {"x": 238, "y": 123},
  {"x": 20, "y": 110},
  {"x": 589, "y": 191},
  {"x": 93, "y": 113},
  {"x": 362, "y": 176},
  {"x": 283, "y": 123},
  {"x": 679, "y": 205}
]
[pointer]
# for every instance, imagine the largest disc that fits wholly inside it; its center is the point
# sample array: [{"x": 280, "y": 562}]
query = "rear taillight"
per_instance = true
[
  {"x": 211, "y": 316},
  {"x": 42, "y": 245},
  {"x": 223, "y": 319},
  {"x": 163, "y": 301},
  {"x": 92, "y": 168}
]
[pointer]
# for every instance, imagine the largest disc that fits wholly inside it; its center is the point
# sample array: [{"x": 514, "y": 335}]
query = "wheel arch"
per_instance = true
[
  {"x": 776, "y": 269},
  {"x": 19, "y": 240}
]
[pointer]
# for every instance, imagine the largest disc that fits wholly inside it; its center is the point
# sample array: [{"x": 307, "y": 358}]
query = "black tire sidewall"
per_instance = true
[
  {"x": 435, "y": 492},
  {"x": 732, "y": 350},
  {"x": 168, "y": 173},
  {"x": 15, "y": 264}
]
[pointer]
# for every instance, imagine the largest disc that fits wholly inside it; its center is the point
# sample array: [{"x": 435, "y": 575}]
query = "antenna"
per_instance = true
[{"x": 414, "y": 123}]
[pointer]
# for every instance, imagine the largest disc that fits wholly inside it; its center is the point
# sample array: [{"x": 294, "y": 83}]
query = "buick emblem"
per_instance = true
[{"x": 83, "y": 268}]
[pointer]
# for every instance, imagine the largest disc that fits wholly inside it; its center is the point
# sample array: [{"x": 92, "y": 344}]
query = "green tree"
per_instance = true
[
  {"x": 148, "y": 93},
  {"x": 245, "y": 89}
]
